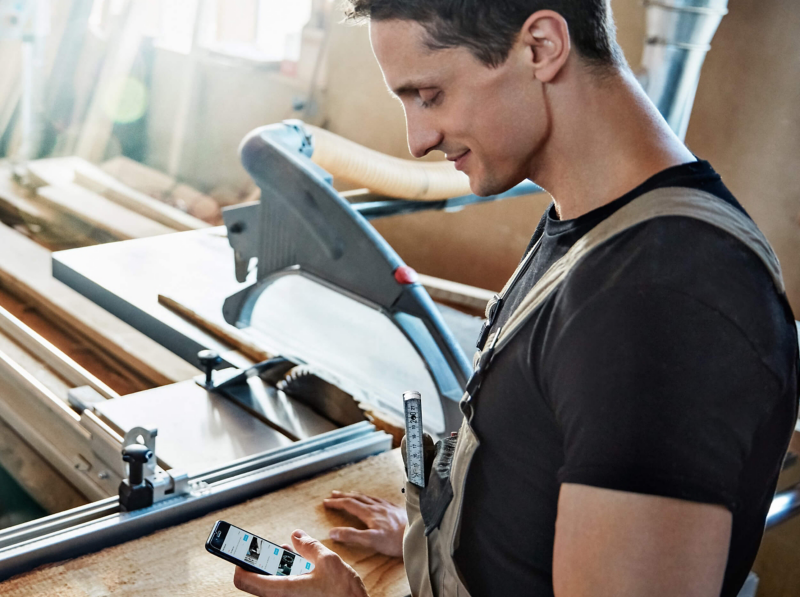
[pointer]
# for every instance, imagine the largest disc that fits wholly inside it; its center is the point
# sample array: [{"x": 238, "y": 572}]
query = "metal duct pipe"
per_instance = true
[{"x": 679, "y": 34}]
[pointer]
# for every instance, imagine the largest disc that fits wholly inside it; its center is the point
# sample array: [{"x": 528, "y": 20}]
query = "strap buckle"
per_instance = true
[{"x": 484, "y": 363}]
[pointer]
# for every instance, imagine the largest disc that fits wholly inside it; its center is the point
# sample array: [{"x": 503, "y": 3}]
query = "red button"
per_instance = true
[{"x": 406, "y": 275}]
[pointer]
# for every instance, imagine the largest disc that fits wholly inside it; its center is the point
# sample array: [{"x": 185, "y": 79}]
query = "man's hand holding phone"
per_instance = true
[{"x": 330, "y": 576}]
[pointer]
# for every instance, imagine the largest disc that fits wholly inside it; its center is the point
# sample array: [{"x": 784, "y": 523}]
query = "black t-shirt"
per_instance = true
[{"x": 664, "y": 364}]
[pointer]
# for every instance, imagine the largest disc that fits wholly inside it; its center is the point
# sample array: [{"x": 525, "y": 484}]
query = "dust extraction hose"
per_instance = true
[{"x": 383, "y": 174}]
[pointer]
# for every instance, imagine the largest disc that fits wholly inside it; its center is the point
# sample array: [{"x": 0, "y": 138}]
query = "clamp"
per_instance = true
[{"x": 147, "y": 483}]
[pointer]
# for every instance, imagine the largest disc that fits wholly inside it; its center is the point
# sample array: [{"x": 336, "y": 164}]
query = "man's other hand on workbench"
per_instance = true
[
  {"x": 385, "y": 522},
  {"x": 331, "y": 576}
]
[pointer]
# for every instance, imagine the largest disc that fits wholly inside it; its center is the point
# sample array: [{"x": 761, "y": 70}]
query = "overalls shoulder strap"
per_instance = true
[{"x": 655, "y": 204}]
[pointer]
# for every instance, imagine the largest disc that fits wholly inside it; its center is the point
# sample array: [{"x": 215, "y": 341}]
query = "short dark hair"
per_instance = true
[{"x": 489, "y": 28}]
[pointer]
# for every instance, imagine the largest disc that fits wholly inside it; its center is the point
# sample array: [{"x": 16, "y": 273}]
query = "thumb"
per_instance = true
[{"x": 308, "y": 547}]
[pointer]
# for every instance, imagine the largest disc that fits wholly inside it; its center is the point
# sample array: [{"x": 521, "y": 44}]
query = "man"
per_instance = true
[{"x": 632, "y": 430}]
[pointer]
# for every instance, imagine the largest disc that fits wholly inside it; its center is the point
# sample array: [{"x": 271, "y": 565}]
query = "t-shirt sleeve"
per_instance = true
[{"x": 656, "y": 393}]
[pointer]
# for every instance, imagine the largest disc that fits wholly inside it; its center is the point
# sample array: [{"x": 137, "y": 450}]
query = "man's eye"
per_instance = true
[{"x": 428, "y": 98}]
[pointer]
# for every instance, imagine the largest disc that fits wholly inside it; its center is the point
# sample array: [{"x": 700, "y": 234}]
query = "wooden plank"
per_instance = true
[
  {"x": 99, "y": 212},
  {"x": 174, "y": 562},
  {"x": 99, "y": 125},
  {"x": 45, "y": 224},
  {"x": 227, "y": 333},
  {"x": 51, "y": 356},
  {"x": 456, "y": 293},
  {"x": 53, "y": 172},
  {"x": 62, "y": 171},
  {"x": 50, "y": 46},
  {"x": 14, "y": 200},
  {"x": 10, "y": 81},
  {"x": 35, "y": 475},
  {"x": 163, "y": 187},
  {"x": 140, "y": 177},
  {"x": 94, "y": 179},
  {"x": 48, "y": 378},
  {"x": 25, "y": 271},
  {"x": 187, "y": 88},
  {"x": 117, "y": 375}
]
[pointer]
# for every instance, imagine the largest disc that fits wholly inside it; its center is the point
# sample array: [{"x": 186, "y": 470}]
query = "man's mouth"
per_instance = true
[{"x": 459, "y": 160}]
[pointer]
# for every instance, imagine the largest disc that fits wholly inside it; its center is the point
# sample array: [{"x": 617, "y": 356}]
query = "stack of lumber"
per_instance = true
[
  {"x": 19, "y": 208},
  {"x": 166, "y": 189},
  {"x": 73, "y": 188}
]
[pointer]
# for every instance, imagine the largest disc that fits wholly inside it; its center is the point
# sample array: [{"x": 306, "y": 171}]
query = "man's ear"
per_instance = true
[{"x": 546, "y": 33}]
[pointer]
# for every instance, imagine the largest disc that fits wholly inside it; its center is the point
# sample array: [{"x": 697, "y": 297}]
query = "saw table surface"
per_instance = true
[
  {"x": 174, "y": 561},
  {"x": 125, "y": 278},
  {"x": 195, "y": 269}
]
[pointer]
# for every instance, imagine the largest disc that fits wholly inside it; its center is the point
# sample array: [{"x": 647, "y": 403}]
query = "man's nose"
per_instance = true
[{"x": 423, "y": 136}]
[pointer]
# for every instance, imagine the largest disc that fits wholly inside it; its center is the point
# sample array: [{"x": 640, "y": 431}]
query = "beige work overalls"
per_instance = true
[{"x": 429, "y": 561}]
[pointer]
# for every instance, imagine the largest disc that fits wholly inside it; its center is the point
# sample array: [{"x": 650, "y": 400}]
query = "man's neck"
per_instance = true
[{"x": 607, "y": 139}]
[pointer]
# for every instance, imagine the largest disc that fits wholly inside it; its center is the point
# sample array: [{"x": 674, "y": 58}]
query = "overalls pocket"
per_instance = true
[
  {"x": 438, "y": 493},
  {"x": 415, "y": 547},
  {"x": 428, "y": 554}
]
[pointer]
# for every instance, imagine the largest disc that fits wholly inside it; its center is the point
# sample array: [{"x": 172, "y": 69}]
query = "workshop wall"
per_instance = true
[
  {"x": 745, "y": 122},
  {"x": 232, "y": 97}
]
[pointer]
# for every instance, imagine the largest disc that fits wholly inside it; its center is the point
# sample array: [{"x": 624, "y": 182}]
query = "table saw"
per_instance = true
[
  {"x": 340, "y": 324},
  {"x": 327, "y": 321}
]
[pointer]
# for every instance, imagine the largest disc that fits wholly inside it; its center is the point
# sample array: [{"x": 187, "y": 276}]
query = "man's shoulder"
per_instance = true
[
  {"x": 679, "y": 252},
  {"x": 681, "y": 256}
]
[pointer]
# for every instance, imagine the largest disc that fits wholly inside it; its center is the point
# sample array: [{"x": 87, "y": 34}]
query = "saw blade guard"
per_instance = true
[{"x": 325, "y": 288}]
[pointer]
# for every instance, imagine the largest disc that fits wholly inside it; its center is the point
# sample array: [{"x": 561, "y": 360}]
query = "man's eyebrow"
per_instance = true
[{"x": 411, "y": 87}]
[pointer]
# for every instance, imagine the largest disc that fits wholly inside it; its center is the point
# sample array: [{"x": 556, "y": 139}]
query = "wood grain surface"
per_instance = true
[{"x": 174, "y": 561}]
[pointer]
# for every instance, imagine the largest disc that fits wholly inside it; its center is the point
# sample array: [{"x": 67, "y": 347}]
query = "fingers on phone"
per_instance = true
[
  {"x": 265, "y": 586},
  {"x": 248, "y": 581},
  {"x": 308, "y": 547}
]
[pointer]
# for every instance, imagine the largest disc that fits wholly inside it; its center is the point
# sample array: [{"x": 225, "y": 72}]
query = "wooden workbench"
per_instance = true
[{"x": 174, "y": 561}]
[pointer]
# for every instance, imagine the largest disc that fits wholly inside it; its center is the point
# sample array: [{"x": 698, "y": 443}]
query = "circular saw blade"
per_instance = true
[{"x": 302, "y": 384}]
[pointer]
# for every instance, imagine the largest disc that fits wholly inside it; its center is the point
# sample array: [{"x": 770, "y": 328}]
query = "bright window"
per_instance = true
[{"x": 280, "y": 24}]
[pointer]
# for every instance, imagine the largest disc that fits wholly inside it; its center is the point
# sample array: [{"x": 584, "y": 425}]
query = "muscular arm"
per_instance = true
[{"x": 619, "y": 544}]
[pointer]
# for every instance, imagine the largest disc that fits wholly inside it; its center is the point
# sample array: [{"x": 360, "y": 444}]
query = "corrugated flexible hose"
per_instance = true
[{"x": 383, "y": 174}]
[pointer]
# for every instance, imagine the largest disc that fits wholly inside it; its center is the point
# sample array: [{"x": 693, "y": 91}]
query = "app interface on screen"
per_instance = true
[{"x": 263, "y": 554}]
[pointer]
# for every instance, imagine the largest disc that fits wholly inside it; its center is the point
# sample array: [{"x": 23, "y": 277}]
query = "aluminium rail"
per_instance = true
[{"x": 102, "y": 524}]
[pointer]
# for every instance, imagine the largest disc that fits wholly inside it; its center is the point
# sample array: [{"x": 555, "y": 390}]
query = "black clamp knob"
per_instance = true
[
  {"x": 136, "y": 492},
  {"x": 136, "y": 455},
  {"x": 208, "y": 360}
]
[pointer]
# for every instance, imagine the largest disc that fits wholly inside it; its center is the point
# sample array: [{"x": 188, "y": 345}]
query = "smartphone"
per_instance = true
[{"x": 253, "y": 553}]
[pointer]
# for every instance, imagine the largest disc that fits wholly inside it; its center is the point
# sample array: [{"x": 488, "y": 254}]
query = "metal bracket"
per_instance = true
[
  {"x": 166, "y": 484},
  {"x": 146, "y": 437}
]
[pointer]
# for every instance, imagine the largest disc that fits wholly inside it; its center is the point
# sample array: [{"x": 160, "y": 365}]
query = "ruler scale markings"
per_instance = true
[{"x": 412, "y": 403}]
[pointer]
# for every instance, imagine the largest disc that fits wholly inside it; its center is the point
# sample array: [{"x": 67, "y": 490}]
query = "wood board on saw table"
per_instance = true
[
  {"x": 25, "y": 271},
  {"x": 174, "y": 561},
  {"x": 219, "y": 329}
]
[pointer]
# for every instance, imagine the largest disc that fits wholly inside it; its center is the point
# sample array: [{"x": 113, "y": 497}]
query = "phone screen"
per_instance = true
[{"x": 254, "y": 551}]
